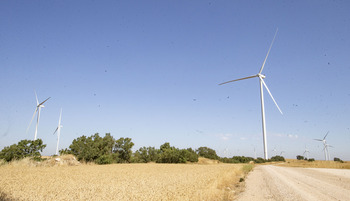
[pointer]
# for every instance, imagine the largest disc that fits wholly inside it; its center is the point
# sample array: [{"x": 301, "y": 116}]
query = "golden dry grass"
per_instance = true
[
  {"x": 151, "y": 181},
  {"x": 315, "y": 164}
]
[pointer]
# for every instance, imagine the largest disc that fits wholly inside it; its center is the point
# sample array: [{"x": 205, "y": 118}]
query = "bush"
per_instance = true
[
  {"x": 123, "y": 147},
  {"x": 299, "y": 157},
  {"x": 104, "y": 159},
  {"x": 190, "y": 155},
  {"x": 311, "y": 159},
  {"x": 338, "y": 160},
  {"x": 64, "y": 152},
  {"x": 168, "y": 154},
  {"x": 207, "y": 153},
  {"x": 259, "y": 160},
  {"x": 145, "y": 155},
  {"x": 23, "y": 149},
  {"x": 278, "y": 158},
  {"x": 104, "y": 150},
  {"x": 237, "y": 159}
]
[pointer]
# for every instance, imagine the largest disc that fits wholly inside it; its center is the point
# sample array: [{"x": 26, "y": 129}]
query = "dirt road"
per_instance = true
[{"x": 269, "y": 182}]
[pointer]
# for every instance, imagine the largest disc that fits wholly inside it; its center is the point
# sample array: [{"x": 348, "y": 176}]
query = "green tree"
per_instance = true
[
  {"x": 259, "y": 160},
  {"x": 123, "y": 147},
  {"x": 278, "y": 158},
  {"x": 207, "y": 153},
  {"x": 91, "y": 148},
  {"x": 169, "y": 154},
  {"x": 142, "y": 155},
  {"x": 338, "y": 160},
  {"x": 24, "y": 148},
  {"x": 189, "y": 155},
  {"x": 299, "y": 157}
]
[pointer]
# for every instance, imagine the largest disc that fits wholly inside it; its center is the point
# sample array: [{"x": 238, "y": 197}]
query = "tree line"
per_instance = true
[{"x": 108, "y": 150}]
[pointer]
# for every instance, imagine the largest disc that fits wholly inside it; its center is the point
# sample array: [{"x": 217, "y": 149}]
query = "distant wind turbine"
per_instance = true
[
  {"x": 58, "y": 130},
  {"x": 306, "y": 152},
  {"x": 325, "y": 149},
  {"x": 282, "y": 153},
  {"x": 37, "y": 109},
  {"x": 274, "y": 150},
  {"x": 261, "y": 79}
]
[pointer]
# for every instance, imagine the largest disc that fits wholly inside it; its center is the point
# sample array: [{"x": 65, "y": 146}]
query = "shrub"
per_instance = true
[
  {"x": 104, "y": 159},
  {"x": 311, "y": 159},
  {"x": 207, "y": 153},
  {"x": 188, "y": 155},
  {"x": 299, "y": 157},
  {"x": 123, "y": 147},
  {"x": 259, "y": 160},
  {"x": 100, "y": 150},
  {"x": 64, "y": 152},
  {"x": 23, "y": 149},
  {"x": 338, "y": 160},
  {"x": 145, "y": 155},
  {"x": 278, "y": 158},
  {"x": 168, "y": 154},
  {"x": 237, "y": 159}
]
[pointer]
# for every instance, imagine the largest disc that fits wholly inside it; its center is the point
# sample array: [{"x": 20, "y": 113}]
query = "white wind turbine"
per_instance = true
[
  {"x": 37, "y": 109},
  {"x": 282, "y": 152},
  {"x": 306, "y": 152},
  {"x": 325, "y": 150},
  {"x": 274, "y": 150},
  {"x": 261, "y": 79},
  {"x": 58, "y": 130}
]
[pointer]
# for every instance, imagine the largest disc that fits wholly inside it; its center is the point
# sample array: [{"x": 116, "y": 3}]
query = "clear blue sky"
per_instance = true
[{"x": 150, "y": 70}]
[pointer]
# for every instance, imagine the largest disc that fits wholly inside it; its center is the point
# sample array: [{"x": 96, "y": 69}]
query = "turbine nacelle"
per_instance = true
[{"x": 262, "y": 76}]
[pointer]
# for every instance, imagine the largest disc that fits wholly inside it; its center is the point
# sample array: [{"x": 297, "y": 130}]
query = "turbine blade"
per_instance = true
[
  {"x": 325, "y": 135},
  {"x": 55, "y": 131},
  {"x": 270, "y": 94},
  {"x": 59, "y": 121},
  {"x": 318, "y": 139},
  {"x": 36, "y": 109},
  {"x": 262, "y": 67},
  {"x": 44, "y": 101},
  {"x": 37, "y": 102},
  {"x": 239, "y": 79}
]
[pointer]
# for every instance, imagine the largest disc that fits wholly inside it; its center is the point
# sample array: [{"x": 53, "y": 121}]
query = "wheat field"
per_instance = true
[{"x": 121, "y": 182}]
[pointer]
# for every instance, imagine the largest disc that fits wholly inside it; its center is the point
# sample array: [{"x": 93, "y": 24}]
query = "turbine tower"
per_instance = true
[
  {"x": 37, "y": 109},
  {"x": 325, "y": 149},
  {"x": 58, "y": 130},
  {"x": 262, "y": 83},
  {"x": 306, "y": 152}
]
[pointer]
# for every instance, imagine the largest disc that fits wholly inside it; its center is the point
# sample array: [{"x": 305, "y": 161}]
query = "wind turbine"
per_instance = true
[
  {"x": 325, "y": 150},
  {"x": 58, "y": 130},
  {"x": 261, "y": 79},
  {"x": 306, "y": 152},
  {"x": 274, "y": 150},
  {"x": 37, "y": 109},
  {"x": 282, "y": 153}
]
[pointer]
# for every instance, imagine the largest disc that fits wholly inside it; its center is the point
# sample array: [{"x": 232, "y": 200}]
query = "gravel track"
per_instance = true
[{"x": 268, "y": 182}]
